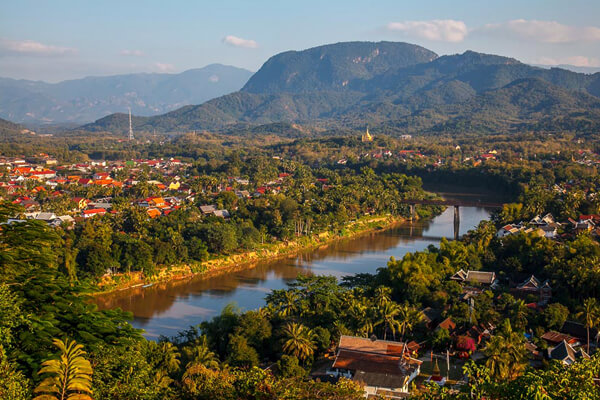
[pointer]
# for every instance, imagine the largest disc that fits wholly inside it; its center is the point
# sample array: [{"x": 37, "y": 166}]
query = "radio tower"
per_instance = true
[{"x": 130, "y": 128}]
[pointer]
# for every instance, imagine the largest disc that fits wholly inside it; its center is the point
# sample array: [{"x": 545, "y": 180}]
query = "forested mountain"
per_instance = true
[
  {"x": 393, "y": 85},
  {"x": 334, "y": 66},
  {"x": 84, "y": 100}
]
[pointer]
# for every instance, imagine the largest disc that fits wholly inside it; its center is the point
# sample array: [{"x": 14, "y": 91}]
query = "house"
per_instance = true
[
  {"x": 565, "y": 353},
  {"x": 555, "y": 338},
  {"x": 382, "y": 367},
  {"x": 584, "y": 226},
  {"x": 535, "y": 286},
  {"x": 46, "y": 216},
  {"x": 477, "y": 277},
  {"x": 446, "y": 324},
  {"x": 579, "y": 331},
  {"x": 156, "y": 202},
  {"x": 221, "y": 213},
  {"x": 153, "y": 212},
  {"x": 93, "y": 212},
  {"x": 547, "y": 219},
  {"x": 431, "y": 316},
  {"x": 208, "y": 209},
  {"x": 507, "y": 230},
  {"x": 242, "y": 193},
  {"x": 101, "y": 176},
  {"x": 550, "y": 230}
]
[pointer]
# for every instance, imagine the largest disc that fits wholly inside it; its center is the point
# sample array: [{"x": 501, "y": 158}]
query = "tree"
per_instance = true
[
  {"x": 590, "y": 313},
  {"x": 67, "y": 378},
  {"x": 387, "y": 318},
  {"x": 13, "y": 385},
  {"x": 163, "y": 356},
  {"x": 382, "y": 295},
  {"x": 441, "y": 339},
  {"x": 288, "y": 367},
  {"x": 202, "y": 383},
  {"x": 555, "y": 315},
  {"x": 240, "y": 353},
  {"x": 506, "y": 354},
  {"x": 519, "y": 313},
  {"x": 299, "y": 341},
  {"x": 408, "y": 317},
  {"x": 198, "y": 353}
]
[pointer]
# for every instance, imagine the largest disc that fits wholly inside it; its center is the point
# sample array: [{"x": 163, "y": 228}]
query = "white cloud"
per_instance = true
[
  {"x": 577, "y": 61},
  {"x": 33, "y": 48},
  {"x": 163, "y": 67},
  {"x": 543, "y": 31},
  {"x": 133, "y": 53},
  {"x": 445, "y": 30},
  {"x": 239, "y": 42}
]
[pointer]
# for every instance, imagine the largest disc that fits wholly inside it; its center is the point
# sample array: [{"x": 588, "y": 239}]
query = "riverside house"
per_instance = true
[{"x": 384, "y": 368}]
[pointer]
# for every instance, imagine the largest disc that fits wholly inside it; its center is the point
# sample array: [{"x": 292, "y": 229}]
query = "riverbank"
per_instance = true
[{"x": 235, "y": 262}]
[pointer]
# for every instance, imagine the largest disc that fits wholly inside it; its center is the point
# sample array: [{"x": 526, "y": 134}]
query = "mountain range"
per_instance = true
[
  {"x": 395, "y": 87},
  {"x": 87, "y": 99}
]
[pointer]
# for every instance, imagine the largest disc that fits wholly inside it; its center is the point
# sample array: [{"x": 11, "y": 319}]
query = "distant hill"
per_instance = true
[
  {"x": 87, "y": 99},
  {"x": 8, "y": 128},
  {"x": 392, "y": 85}
]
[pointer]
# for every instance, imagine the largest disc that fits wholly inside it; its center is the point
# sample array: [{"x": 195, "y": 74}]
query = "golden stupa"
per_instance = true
[{"x": 367, "y": 136}]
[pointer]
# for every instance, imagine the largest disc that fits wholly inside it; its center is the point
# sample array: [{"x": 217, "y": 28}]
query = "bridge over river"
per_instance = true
[{"x": 456, "y": 203}]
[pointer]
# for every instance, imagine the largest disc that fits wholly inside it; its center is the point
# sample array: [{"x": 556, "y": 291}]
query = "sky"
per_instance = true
[{"x": 60, "y": 39}]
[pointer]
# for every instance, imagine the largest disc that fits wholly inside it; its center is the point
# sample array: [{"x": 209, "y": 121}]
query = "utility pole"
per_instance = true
[{"x": 130, "y": 126}]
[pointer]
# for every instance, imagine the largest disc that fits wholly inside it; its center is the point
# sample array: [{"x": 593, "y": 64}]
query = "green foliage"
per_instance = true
[
  {"x": 298, "y": 341},
  {"x": 240, "y": 353},
  {"x": 289, "y": 367},
  {"x": 555, "y": 316},
  {"x": 66, "y": 378},
  {"x": 506, "y": 354},
  {"x": 13, "y": 384}
]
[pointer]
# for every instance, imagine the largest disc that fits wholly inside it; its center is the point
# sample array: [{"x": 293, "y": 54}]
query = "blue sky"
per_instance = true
[{"x": 56, "y": 40}]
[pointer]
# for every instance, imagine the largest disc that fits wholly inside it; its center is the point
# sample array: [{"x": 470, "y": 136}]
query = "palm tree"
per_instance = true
[
  {"x": 387, "y": 317},
  {"x": 383, "y": 294},
  {"x": 200, "y": 354},
  {"x": 590, "y": 312},
  {"x": 519, "y": 314},
  {"x": 289, "y": 304},
  {"x": 362, "y": 316},
  {"x": 168, "y": 356},
  {"x": 506, "y": 354},
  {"x": 299, "y": 341},
  {"x": 408, "y": 317},
  {"x": 69, "y": 377}
]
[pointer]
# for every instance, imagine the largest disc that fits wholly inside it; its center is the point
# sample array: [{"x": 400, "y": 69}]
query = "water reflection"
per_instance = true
[{"x": 169, "y": 307}]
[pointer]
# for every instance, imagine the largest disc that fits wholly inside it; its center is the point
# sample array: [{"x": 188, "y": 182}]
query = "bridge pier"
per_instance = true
[
  {"x": 413, "y": 213},
  {"x": 456, "y": 221}
]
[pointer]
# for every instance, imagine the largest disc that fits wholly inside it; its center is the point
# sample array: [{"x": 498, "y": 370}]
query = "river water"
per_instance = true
[{"x": 167, "y": 308}]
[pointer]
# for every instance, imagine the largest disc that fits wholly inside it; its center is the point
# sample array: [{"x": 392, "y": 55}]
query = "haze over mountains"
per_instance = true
[
  {"x": 87, "y": 99},
  {"x": 392, "y": 86}
]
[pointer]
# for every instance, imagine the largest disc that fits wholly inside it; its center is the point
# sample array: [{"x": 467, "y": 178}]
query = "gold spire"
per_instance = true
[{"x": 367, "y": 136}]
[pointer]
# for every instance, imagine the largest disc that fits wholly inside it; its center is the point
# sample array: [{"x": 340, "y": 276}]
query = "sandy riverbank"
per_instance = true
[{"x": 235, "y": 262}]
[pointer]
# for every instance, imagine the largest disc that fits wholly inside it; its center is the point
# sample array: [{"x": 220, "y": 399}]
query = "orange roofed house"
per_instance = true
[{"x": 382, "y": 367}]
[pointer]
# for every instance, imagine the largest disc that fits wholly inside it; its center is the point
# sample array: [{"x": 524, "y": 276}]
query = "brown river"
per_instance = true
[{"x": 167, "y": 308}]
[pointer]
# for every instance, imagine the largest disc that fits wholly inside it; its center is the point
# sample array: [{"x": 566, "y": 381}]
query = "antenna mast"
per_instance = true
[{"x": 130, "y": 128}]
